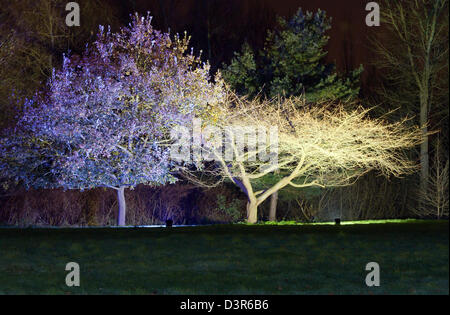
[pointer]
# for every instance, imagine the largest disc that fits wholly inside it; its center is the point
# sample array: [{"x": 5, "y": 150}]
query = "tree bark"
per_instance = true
[
  {"x": 252, "y": 212},
  {"x": 273, "y": 206},
  {"x": 122, "y": 206}
]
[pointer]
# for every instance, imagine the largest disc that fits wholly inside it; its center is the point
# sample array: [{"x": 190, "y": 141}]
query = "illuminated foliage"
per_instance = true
[
  {"x": 292, "y": 63},
  {"x": 106, "y": 117}
]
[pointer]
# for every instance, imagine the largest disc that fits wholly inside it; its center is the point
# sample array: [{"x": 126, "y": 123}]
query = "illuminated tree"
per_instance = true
[
  {"x": 292, "y": 63},
  {"x": 106, "y": 117},
  {"x": 325, "y": 146}
]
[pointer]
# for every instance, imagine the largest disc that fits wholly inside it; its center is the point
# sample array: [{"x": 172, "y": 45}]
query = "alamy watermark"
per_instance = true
[
  {"x": 373, "y": 18},
  {"x": 224, "y": 144},
  {"x": 73, "y": 17},
  {"x": 73, "y": 277}
]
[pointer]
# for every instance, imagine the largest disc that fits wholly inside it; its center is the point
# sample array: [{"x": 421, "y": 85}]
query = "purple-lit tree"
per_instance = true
[{"x": 106, "y": 118}]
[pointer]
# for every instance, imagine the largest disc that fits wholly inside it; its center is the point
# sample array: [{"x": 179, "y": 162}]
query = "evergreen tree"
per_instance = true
[{"x": 292, "y": 63}]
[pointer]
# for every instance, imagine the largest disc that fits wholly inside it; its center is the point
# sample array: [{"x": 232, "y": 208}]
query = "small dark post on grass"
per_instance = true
[
  {"x": 337, "y": 221},
  {"x": 169, "y": 223}
]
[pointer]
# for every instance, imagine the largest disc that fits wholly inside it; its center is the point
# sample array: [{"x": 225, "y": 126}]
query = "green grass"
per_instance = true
[{"x": 234, "y": 259}]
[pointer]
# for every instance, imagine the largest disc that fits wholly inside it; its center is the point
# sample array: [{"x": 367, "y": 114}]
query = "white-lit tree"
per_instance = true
[
  {"x": 412, "y": 54},
  {"x": 323, "y": 146}
]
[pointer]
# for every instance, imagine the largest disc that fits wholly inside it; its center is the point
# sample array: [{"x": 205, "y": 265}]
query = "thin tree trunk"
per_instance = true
[
  {"x": 122, "y": 206},
  {"x": 273, "y": 206},
  {"x": 424, "y": 158}
]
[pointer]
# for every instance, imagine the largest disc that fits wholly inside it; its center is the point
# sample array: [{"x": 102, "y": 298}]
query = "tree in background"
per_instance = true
[
  {"x": 106, "y": 117},
  {"x": 39, "y": 36},
  {"x": 435, "y": 200},
  {"x": 324, "y": 146},
  {"x": 412, "y": 55},
  {"x": 292, "y": 63},
  {"x": 10, "y": 83}
]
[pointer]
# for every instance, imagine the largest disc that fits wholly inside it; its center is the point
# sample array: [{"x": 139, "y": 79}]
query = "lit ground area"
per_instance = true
[{"x": 236, "y": 259}]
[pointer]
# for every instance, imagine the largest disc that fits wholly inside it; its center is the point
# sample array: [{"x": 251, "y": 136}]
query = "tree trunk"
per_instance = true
[
  {"x": 252, "y": 212},
  {"x": 273, "y": 206},
  {"x": 424, "y": 158},
  {"x": 122, "y": 206}
]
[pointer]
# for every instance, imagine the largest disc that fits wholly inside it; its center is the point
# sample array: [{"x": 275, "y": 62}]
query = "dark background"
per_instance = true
[{"x": 219, "y": 28}]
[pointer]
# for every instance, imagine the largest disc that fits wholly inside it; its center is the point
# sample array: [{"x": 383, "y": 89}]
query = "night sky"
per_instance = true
[{"x": 234, "y": 21}]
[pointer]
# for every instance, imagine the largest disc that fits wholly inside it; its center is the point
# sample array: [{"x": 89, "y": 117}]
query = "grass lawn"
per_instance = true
[{"x": 234, "y": 259}]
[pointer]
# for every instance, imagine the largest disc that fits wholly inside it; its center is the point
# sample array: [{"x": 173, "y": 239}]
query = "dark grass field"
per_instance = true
[{"x": 235, "y": 259}]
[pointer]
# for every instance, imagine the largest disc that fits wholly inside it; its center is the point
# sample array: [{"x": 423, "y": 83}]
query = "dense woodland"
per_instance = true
[{"x": 400, "y": 69}]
